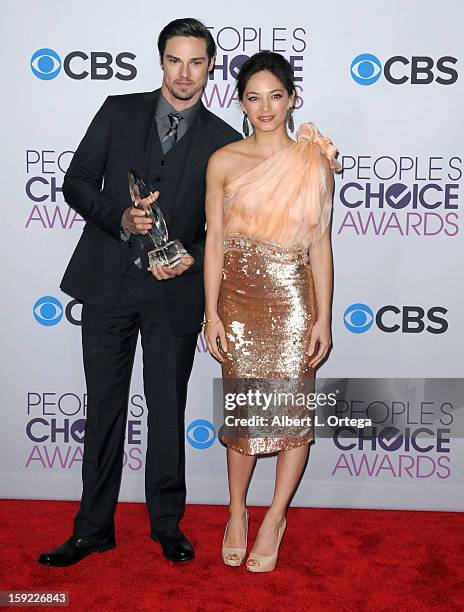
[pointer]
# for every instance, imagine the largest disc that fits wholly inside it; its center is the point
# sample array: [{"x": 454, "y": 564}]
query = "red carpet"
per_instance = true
[{"x": 331, "y": 559}]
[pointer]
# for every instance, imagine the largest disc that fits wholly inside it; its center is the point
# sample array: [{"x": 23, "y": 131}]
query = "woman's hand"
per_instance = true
[
  {"x": 320, "y": 335},
  {"x": 215, "y": 336}
]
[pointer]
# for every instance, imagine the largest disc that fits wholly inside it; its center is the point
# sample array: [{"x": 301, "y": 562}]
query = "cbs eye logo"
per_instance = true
[
  {"x": 358, "y": 318},
  {"x": 48, "y": 311},
  {"x": 201, "y": 434},
  {"x": 46, "y": 64},
  {"x": 366, "y": 69}
]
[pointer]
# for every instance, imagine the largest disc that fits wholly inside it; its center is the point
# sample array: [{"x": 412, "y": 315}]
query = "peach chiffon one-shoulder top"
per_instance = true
[{"x": 287, "y": 198}]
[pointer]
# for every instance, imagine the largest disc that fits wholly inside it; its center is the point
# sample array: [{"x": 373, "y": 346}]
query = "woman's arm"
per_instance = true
[
  {"x": 214, "y": 252},
  {"x": 321, "y": 261},
  {"x": 322, "y": 268}
]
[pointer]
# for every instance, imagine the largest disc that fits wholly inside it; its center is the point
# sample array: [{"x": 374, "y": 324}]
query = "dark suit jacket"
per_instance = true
[{"x": 96, "y": 186}]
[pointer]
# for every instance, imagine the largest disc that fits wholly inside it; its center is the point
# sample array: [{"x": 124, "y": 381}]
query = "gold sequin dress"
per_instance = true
[{"x": 273, "y": 213}]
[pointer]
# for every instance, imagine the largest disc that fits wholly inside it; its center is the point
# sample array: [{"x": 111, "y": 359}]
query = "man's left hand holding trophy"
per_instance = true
[{"x": 136, "y": 221}]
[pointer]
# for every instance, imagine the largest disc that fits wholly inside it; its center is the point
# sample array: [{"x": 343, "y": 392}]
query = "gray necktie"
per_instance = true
[{"x": 171, "y": 137}]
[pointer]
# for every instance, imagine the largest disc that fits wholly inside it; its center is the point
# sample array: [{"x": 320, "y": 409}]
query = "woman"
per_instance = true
[{"x": 268, "y": 282}]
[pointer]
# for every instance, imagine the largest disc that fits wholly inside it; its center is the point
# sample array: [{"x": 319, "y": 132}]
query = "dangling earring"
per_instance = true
[
  {"x": 290, "y": 122},
  {"x": 245, "y": 127}
]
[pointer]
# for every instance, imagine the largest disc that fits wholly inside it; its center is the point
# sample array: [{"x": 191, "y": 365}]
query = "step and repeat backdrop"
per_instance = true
[{"x": 384, "y": 82}]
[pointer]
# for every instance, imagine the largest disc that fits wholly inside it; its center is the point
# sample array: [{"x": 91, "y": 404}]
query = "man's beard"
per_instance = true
[{"x": 184, "y": 94}]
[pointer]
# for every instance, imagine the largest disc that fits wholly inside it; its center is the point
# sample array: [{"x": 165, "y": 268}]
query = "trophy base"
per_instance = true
[{"x": 168, "y": 255}]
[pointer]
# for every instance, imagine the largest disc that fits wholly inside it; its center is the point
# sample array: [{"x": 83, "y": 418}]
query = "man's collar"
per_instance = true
[{"x": 164, "y": 108}]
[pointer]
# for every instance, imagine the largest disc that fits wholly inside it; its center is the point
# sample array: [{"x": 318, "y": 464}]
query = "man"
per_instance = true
[{"x": 167, "y": 136}]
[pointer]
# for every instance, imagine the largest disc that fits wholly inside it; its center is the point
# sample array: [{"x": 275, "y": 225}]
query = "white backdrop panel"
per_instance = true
[{"x": 402, "y": 138}]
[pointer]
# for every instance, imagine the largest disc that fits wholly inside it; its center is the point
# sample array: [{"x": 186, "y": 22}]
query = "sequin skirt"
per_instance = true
[{"x": 268, "y": 306}]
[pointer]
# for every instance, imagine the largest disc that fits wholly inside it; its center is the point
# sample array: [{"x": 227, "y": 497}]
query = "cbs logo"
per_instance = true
[
  {"x": 201, "y": 434},
  {"x": 48, "y": 311},
  {"x": 359, "y": 318},
  {"x": 366, "y": 69},
  {"x": 46, "y": 64}
]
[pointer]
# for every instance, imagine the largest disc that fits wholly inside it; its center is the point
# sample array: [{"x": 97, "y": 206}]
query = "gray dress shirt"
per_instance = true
[{"x": 163, "y": 123}]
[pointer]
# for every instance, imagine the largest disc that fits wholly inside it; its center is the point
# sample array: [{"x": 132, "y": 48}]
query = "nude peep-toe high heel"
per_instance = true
[
  {"x": 265, "y": 563},
  {"x": 227, "y": 551}
]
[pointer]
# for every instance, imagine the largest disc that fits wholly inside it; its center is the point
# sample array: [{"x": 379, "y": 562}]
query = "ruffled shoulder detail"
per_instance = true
[{"x": 308, "y": 132}]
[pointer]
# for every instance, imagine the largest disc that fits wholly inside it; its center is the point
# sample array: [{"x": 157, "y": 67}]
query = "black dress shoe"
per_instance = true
[
  {"x": 175, "y": 545},
  {"x": 74, "y": 550}
]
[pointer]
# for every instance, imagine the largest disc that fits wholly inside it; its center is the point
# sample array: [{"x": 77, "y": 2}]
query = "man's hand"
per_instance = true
[
  {"x": 134, "y": 218},
  {"x": 165, "y": 273}
]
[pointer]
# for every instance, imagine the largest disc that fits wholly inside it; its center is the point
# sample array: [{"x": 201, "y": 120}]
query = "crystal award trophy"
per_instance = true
[{"x": 166, "y": 252}]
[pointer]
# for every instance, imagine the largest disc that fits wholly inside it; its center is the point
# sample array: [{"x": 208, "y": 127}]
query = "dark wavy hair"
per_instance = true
[
  {"x": 270, "y": 61},
  {"x": 187, "y": 26}
]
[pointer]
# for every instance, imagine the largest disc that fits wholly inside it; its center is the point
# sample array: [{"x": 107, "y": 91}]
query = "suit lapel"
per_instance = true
[
  {"x": 194, "y": 158},
  {"x": 145, "y": 131}
]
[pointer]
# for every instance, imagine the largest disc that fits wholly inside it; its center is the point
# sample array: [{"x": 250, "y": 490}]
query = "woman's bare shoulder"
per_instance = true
[
  {"x": 225, "y": 160},
  {"x": 230, "y": 151}
]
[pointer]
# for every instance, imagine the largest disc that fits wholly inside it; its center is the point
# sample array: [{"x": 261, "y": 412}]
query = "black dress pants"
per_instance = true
[{"x": 109, "y": 339}]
